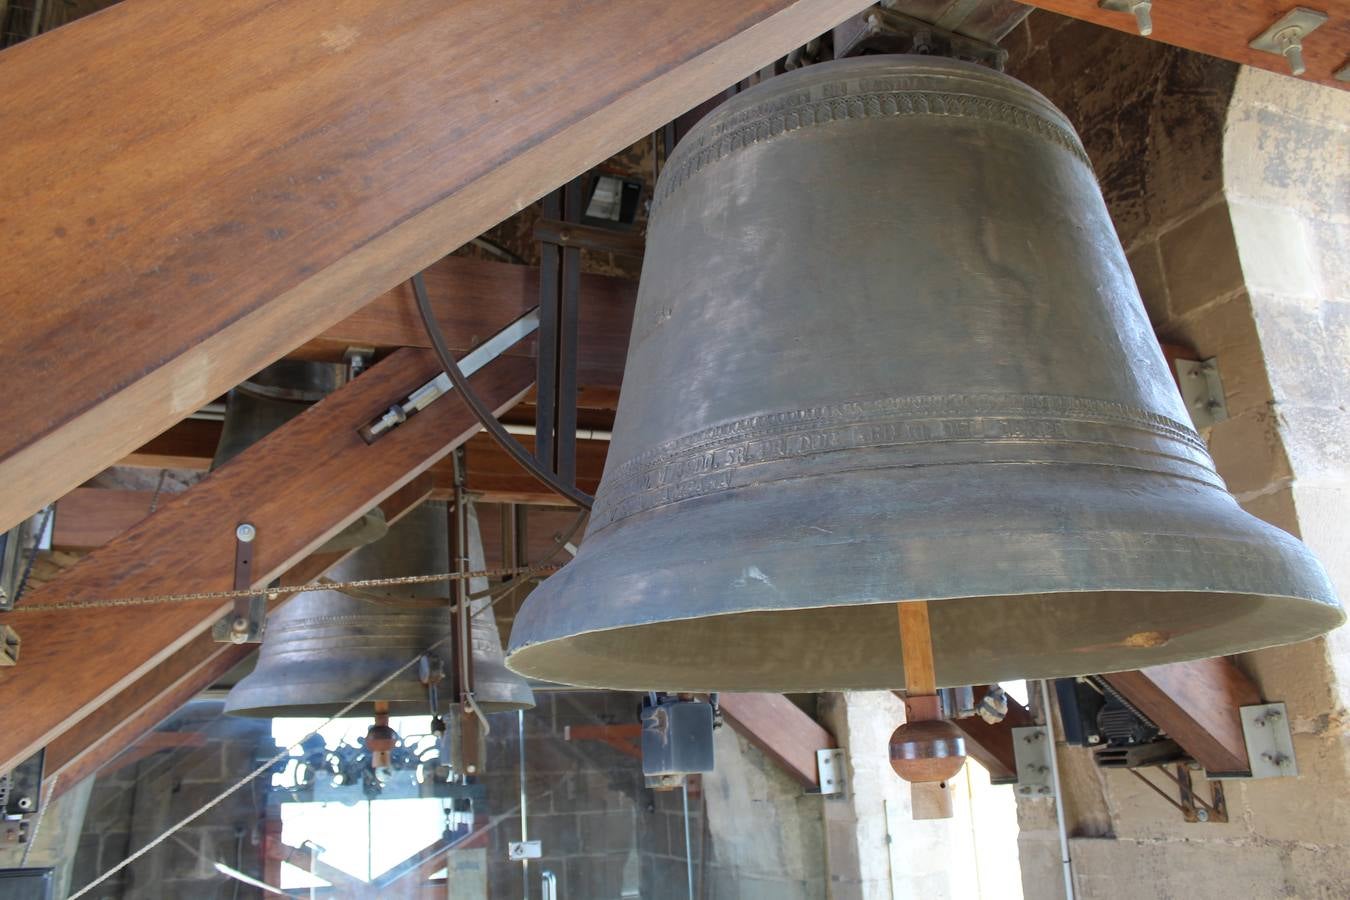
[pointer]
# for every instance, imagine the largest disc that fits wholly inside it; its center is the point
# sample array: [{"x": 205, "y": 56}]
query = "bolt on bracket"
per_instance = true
[
  {"x": 9, "y": 646},
  {"x": 245, "y": 623},
  {"x": 1285, "y": 37}
]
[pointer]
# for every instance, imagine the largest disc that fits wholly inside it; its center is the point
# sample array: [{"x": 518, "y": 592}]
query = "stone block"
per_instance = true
[
  {"x": 1195, "y": 870},
  {"x": 1317, "y": 440},
  {"x": 605, "y": 832},
  {"x": 560, "y": 833},
  {"x": 1305, "y": 349},
  {"x": 1299, "y": 675},
  {"x": 1275, "y": 249},
  {"x": 1249, "y": 454},
  {"x": 1146, "y": 264},
  {"x": 1300, "y": 809},
  {"x": 1200, "y": 260}
]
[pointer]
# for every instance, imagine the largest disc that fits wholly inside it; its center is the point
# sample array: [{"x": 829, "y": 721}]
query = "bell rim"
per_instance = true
[{"x": 1256, "y": 565}]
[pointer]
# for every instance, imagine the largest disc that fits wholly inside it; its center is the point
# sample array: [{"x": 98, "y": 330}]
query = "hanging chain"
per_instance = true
[{"x": 279, "y": 591}]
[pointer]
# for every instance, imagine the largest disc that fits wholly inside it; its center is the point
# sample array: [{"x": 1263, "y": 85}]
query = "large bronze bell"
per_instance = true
[
  {"x": 887, "y": 348},
  {"x": 322, "y": 650}
]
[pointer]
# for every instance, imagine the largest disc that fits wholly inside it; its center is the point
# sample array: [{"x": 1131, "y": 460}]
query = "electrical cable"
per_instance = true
[{"x": 513, "y": 447}]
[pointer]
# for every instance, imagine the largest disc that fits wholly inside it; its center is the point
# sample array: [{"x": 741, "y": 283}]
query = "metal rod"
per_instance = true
[
  {"x": 1059, "y": 791},
  {"x": 524, "y": 803},
  {"x": 565, "y": 441},
  {"x": 1157, "y": 790},
  {"x": 688, "y": 844},
  {"x": 546, "y": 394}
]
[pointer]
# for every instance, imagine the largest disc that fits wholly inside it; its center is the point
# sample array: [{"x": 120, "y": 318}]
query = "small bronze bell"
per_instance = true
[
  {"x": 887, "y": 348},
  {"x": 322, "y": 650}
]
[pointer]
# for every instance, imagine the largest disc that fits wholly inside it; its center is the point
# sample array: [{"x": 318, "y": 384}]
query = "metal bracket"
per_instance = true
[
  {"x": 881, "y": 30},
  {"x": 23, "y": 788},
  {"x": 9, "y": 646},
  {"x": 1192, "y": 808},
  {"x": 1270, "y": 745},
  {"x": 244, "y": 625},
  {"x": 522, "y": 850},
  {"x": 1141, "y": 9},
  {"x": 830, "y": 772},
  {"x": 1202, "y": 391},
  {"x": 1285, "y": 37},
  {"x": 441, "y": 385},
  {"x": 1031, "y": 750}
]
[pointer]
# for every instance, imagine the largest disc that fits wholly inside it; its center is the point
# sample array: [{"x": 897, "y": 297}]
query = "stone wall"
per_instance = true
[{"x": 1230, "y": 198}]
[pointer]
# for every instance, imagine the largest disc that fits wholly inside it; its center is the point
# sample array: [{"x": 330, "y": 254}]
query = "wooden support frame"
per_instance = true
[
  {"x": 785, "y": 734},
  {"x": 1197, "y": 704},
  {"x": 128, "y": 718},
  {"x": 298, "y": 486},
  {"x": 992, "y": 745},
  {"x": 253, "y": 173}
]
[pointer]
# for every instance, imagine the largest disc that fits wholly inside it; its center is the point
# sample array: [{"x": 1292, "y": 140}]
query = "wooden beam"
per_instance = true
[
  {"x": 1225, "y": 29},
  {"x": 252, "y": 173},
  {"x": 472, "y": 299},
  {"x": 785, "y": 734},
  {"x": 298, "y": 486},
  {"x": 1196, "y": 703},
  {"x": 129, "y": 717},
  {"x": 89, "y": 517}
]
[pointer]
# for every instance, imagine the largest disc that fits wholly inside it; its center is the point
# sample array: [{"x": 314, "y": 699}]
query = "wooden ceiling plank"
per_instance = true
[
  {"x": 299, "y": 486},
  {"x": 1225, "y": 29},
  {"x": 252, "y": 173}
]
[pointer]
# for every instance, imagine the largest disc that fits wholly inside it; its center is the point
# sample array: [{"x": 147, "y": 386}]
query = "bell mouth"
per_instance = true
[
  {"x": 1030, "y": 572},
  {"x": 976, "y": 640}
]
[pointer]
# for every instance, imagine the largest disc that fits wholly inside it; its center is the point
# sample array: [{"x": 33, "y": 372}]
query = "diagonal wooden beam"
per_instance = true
[
  {"x": 1197, "y": 704},
  {"x": 298, "y": 486},
  {"x": 785, "y": 734},
  {"x": 992, "y": 745},
  {"x": 252, "y": 173},
  {"x": 128, "y": 717}
]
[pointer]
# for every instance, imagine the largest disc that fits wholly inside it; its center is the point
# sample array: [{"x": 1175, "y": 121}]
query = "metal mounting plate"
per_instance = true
[
  {"x": 1031, "y": 749},
  {"x": 1202, "y": 390},
  {"x": 1300, "y": 17},
  {"x": 830, "y": 772},
  {"x": 519, "y": 850},
  {"x": 1270, "y": 745}
]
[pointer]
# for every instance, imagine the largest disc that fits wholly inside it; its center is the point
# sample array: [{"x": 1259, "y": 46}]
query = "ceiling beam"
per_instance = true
[
  {"x": 298, "y": 486},
  {"x": 250, "y": 174},
  {"x": 1225, "y": 29}
]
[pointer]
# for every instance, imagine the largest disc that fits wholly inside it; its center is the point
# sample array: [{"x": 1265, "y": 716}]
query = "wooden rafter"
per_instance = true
[
  {"x": 252, "y": 173},
  {"x": 785, "y": 734},
  {"x": 299, "y": 486}
]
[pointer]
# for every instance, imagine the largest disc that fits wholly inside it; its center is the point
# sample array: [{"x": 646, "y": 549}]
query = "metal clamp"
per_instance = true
[
  {"x": 1285, "y": 37},
  {"x": 517, "y": 851},
  {"x": 9, "y": 646},
  {"x": 244, "y": 625},
  {"x": 1270, "y": 744}
]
